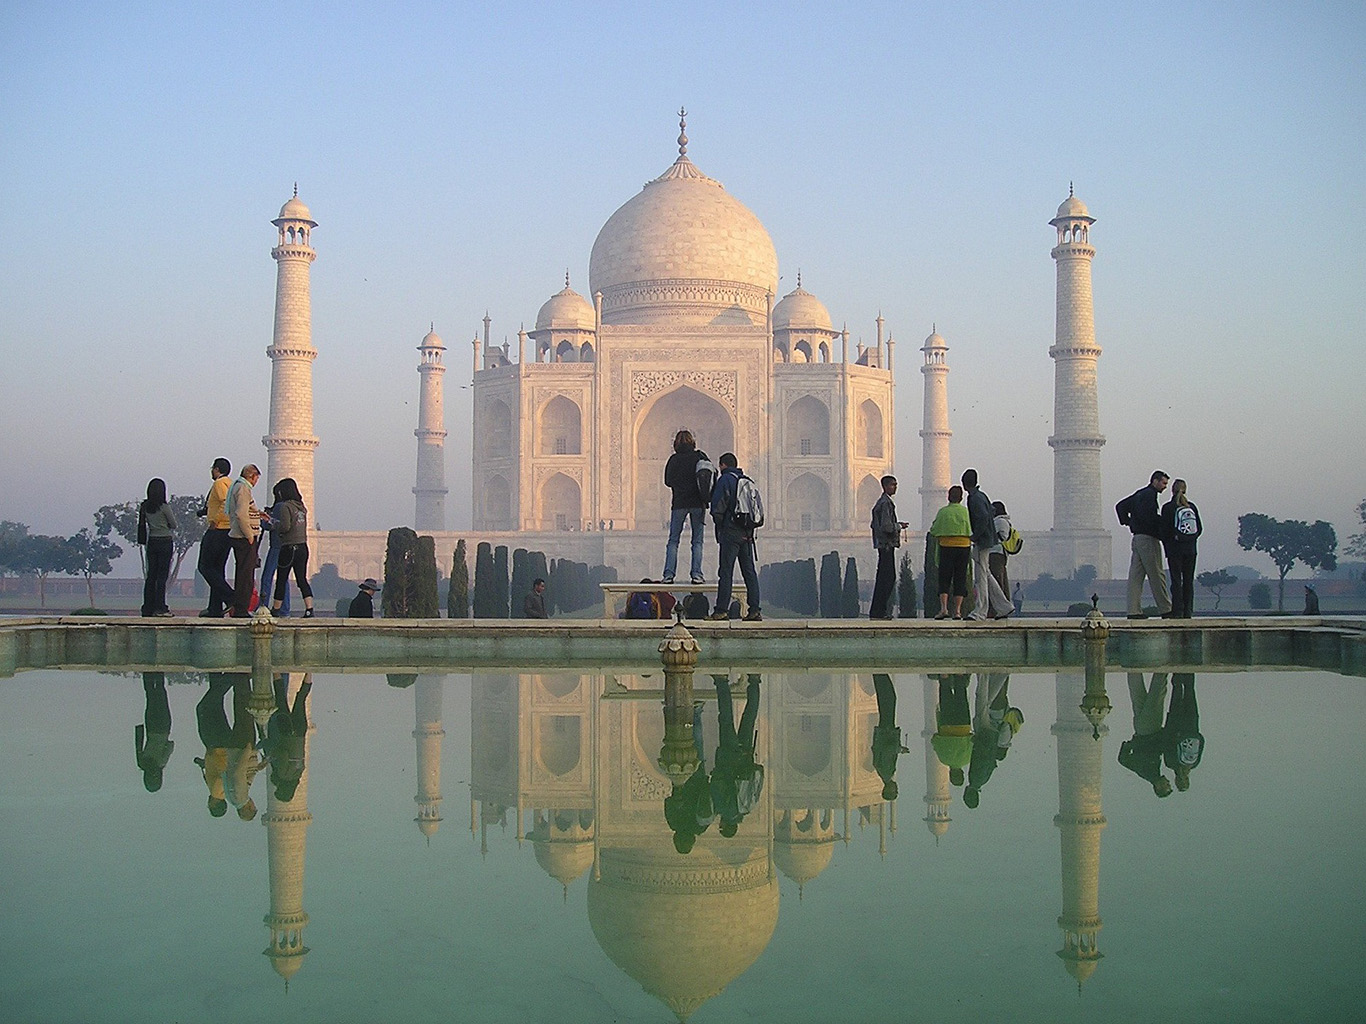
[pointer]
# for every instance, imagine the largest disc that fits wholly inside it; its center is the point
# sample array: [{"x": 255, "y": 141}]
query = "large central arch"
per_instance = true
[{"x": 675, "y": 410}]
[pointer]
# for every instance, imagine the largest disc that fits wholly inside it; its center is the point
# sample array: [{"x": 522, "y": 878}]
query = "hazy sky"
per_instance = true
[{"x": 907, "y": 158}]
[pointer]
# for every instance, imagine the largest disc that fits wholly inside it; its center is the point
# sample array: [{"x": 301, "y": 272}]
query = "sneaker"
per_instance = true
[
  {"x": 720, "y": 616},
  {"x": 942, "y": 615},
  {"x": 698, "y": 580},
  {"x": 753, "y": 617},
  {"x": 667, "y": 579},
  {"x": 167, "y": 614},
  {"x": 308, "y": 613}
]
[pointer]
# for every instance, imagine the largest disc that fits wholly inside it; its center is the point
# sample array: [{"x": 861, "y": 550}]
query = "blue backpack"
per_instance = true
[{"x": 642, "y": 605}]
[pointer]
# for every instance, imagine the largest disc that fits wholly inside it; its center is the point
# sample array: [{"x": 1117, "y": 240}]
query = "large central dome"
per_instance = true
[{"x": 683, "y": 251}]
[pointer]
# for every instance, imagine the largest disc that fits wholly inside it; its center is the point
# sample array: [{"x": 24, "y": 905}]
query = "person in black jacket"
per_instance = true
[
  {"x": 1139, "y": 513},
  {"x": 363, "y": 605},
  {"x": 1180, "y": 527},
  {"x": 688, "y": 503}
]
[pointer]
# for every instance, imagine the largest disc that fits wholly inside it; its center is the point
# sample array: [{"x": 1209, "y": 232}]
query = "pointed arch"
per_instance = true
[
  {"x": 807, "y": 427},
  {"x": 560, "y": 430},
  {"x": 658, "y": 422}
]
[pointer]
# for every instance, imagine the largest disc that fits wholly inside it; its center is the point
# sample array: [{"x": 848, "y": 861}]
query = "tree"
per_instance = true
[
  {"x": 1085, "y": 576},
  {"x": 521, "y": 580},
  {"x": 400, "y": 574},
  {"x": 1215, "y": 581},
  {"x": 458, "y": 596},
  {"x": 1259, "y": 596},
  {"x": 39, "y": 555},
  {"x": 906, "y": 587},
  {"x": 1048, "y": 588},
  {"x": 929, "y": 576},
  {"x": 123, "y": 521},
  {"x": 425, "y": 586},
  {"x": 831, "y": 589},
  {"x": 12, "y": 538},
  {"x": 1356, "y": 544},
  {"x": 850, "y": 604},
  {"x": 483, "y": 581},
  {"x": 90, "y": 555},
  {"x": 1288, "y": 541},
  {"x": 501, "y": 590}
]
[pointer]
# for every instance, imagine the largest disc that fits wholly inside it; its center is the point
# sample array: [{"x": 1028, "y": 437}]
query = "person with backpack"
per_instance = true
[
  {"x": 689, "y": 475},
  {"x": 737, "y": 511},
  {"x": 1008, "y": 538},
  {"x": 1180, "y": 528}
]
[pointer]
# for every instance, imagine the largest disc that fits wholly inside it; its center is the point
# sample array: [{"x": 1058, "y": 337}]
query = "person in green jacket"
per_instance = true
[
  {"x": 952, "y": 529},
  {"x": 952, "y": 740}
]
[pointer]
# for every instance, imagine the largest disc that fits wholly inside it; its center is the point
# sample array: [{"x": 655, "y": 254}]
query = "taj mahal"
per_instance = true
[{"x": 683, "y": 327}]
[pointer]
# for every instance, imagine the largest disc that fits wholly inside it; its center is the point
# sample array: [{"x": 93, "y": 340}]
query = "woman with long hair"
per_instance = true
[
  {"x": 291, "y": 525},
  {"x": 156, "y": 531},
  {"x": 1180, "y": 527},
  {"x": 272, "y": 561}
]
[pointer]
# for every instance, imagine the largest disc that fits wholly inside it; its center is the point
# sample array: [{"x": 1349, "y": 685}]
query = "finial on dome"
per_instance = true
[
  {"x": 934, "y": 327},
  {"x": 433, "y": 325},
  {"x": 296, "y": 190},
  {"x": 566, "y": 277},
  {"x": 1070, "y": 193},
  {"x": 682, "y": 132},
  {"x": 799, "y": 277}
]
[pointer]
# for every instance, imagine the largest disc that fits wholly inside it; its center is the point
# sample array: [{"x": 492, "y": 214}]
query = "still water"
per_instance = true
[{"x": 506, "y": 848}]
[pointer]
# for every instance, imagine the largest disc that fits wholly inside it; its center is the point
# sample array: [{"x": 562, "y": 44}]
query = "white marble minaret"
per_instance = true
[
  {"x": 427, "y": 732},
  {"x": 1076, "y": 440},
  {"x": 430, "y": 514},
  {"x": 938, "y": 795},
  {"x": 286, "y": 825},
  {"x": 291, "y": 441},
  {"x": 935, "y": 472},
  {"x": 1079, "y": 821}
]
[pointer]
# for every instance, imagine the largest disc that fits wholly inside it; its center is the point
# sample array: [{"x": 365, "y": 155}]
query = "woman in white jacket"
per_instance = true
[{"x": 996, "y": 559}]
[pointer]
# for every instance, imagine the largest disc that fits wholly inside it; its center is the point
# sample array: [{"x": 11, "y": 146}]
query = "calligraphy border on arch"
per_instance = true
[{"x": 720, "y": 384}]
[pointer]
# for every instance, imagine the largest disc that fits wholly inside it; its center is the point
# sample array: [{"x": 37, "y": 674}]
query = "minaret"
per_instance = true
[
  {"x": 1081, "y": 753},
  {"x": 938, "y": 795},
  {"x": 427, "y": 732},
  {"x": 286, "y": 829},
  {"x": 291, "y": 441},
  {"x": 935, "y": 472},
  {"x": 1076, "y": 440},
  {"x": 430, "y": 512}
]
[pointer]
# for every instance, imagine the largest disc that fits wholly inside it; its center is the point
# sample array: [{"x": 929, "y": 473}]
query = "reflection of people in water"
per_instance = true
[
  {"x": 229, "y": 763},
  {"x": 282, "y": 743},
  {"x": 996, "y": 725},
  {"x": 886, "y": 736},
  {"x": 736, "y": 779},
  {"x": 152, "y": 740},
  {"x": 1142, "y": 754},
  {"x": 688, "y": 809},
  {"x": 1185, "y": 745},
  {"x": 952, "y": 741}
]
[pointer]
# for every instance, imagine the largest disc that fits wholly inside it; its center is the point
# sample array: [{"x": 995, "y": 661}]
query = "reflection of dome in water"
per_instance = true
[
  {"x": 684, "y": 927},
  {"x": 683, "y": 250},
  {"x": 564, "y": 860},
  {"x": 803, "y": 860}
]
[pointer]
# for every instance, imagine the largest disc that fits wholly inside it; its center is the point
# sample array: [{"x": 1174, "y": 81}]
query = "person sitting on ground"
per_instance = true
[
  {"x": 533, "y": 605},
  {"x": 363, "y": 605}
]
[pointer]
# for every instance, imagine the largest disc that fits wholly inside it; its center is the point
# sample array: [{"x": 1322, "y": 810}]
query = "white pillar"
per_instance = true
[
  {"x": 935, "y": 468},
  {"x": 430, "y": 490}
]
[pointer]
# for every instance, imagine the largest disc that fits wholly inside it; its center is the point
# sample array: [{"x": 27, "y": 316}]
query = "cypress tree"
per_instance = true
[
  {"x": 832, "y": 591},
  {"x": 906, "y": 587},
  {"x": 807, "y": 586},
  {"x": 399, "y": 555},
  {"x": 521, "y": 581},
  {"x": 851, "y": 601},
  {"x": 458, "y": 596},
  {"x": 426, "y": 588},
  {"x": 500, "y": 582},
  {"x": 929, "y": 577},
  {"x": 483, "y": 581}
]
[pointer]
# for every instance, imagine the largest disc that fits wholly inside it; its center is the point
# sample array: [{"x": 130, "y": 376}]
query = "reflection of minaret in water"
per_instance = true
[
  {"x": 1079, "y": 818},
  {"x": 938, "y": 796},
  {"x": 286, "y": 829},
  {"x": 427, "y": 732}
]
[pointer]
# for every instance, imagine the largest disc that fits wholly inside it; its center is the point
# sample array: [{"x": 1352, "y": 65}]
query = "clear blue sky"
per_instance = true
[{"x": 459, "y": 158}]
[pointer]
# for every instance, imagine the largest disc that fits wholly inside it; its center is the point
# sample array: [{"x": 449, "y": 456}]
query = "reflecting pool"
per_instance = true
[{"x": 508, "y": 847}]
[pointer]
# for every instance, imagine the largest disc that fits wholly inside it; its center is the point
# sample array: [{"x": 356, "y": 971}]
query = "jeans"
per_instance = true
[
  {"x": 696, "y": 517},
  {"x": 1181, "y": 562},
  {"x": 268, "y": 575},
  {"x": 160, "y": 551},
  {"x": 733, "y": 546},
  {"x": 213, "y": 560},
  {"x": 883, "y": 584}
]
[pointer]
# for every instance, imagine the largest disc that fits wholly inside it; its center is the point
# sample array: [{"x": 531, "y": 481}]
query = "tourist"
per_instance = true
[
  {"x": 1180, "y": 528},
  {"x": 215, "y": 545},
  {"x": 953, "y": 530},
  {"x": 886, "y": 735},
  {"x": 687, "y": 809},
  {"x": 952, "y": 739},
  {"x": 988, "y": 597},
  {"x": 886, "y": 539},
  {"x": 152, "y": 739},
  {"x": 996, "y": 560},
  {"x": 241, "y": 763},
  {"x": 156, "y": 530},
  {"x": 737, "y": 779},
  {"x": 533, "y": 605},
  {"x": 1017, "y": 599},
  {"x": 1311, "y": 600},
  {"x": 994, "y": 726},
  {"x": 216, "y": 735},
  {"x": 1140, "y": 514},
  {"x": 682, "y": 477},
  {"x": 363, "y": 605},
  {"x": 1142, "y": 753},
  {"x": 243, "y": 533},
  {"x": 737, "y": 542},
  {"x": 291, "y": 526},
  {"x": 272, "y": 562},
  {"x": 1185, "y": 743},
  {"x": 282, "y": 743}
]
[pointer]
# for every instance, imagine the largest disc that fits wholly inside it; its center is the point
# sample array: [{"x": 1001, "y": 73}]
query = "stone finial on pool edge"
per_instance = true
[
  {"x": 1095, "y": 626},
  {"x": 679, "y": 648}
]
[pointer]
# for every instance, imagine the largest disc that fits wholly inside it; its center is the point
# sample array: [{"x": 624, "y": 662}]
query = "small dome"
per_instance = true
[
  {"x": 566, "y": 310},
  {"x": 803, "y": 861},
  {"x": 800, "y": 310},
  {"x": 296, "y": 210},
  {"x": 935, "y": 340},
  {"x": 564, "y": 861},
  {"x": 1072, "y": 208},
  {"x": 432, "y": 340}
]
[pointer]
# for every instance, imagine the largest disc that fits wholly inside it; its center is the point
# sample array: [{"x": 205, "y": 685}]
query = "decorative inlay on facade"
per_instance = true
[
  {"x": 646, "y": 786},
  {"x": 720, "y": 384}
]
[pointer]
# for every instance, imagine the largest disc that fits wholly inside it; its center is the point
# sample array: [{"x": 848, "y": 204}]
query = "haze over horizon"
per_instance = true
[{"x": 906, "y": 159}]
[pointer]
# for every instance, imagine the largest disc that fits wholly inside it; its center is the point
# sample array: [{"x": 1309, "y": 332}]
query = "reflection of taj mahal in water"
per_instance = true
[{"x": 683, "y": 326}]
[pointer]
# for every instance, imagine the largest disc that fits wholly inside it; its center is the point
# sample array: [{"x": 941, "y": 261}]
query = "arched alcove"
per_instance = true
[
  {"x": 497, "y": 500},
  {"x": 586, "y": 354},
  {"x": 806, "y": 739},
  {"x": 560, "y": 504},
  {"x": 683, "y": 407},
  {"x": 807, "y": 427},
  {"x": 808, "y": 503},
  {"x": 869, "y": 490},
  {"x": 561, "y": 428},
  {"x": 495, "y": 429},
  {"x": 566, "y": 352},
  {"x": 870, "y": 444},
  {"x": 559, "y": 743}
]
